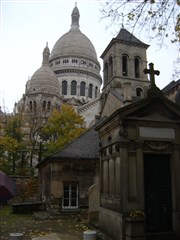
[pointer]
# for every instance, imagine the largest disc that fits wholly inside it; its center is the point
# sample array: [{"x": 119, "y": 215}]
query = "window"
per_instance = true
[
  {"x": 30, "y": 106},
  {"x": 137, "y": 67},
  {"x": 90, "y": 64},
  {"x": 82, "y": 89},
  {"x": 74, "y": 60},
  {"x": 139, "y": 92},
  {"x": 73, "y": 87},
  {"x": 83, "y": 62},
  {"x": 64, "y": 87},
  {"x": 125, "y": 65},
  {"x": 90, "y": 91},
  {"x": 96, "y": 92},
  {"x": 49, "y": 106},
  {"x": 70, "y": 198},
  {"x": 65, "y": 60},
  {"x": 105, "y": 73},
  {"x": 44, "y": 105},
  {"x": 111, "y": 67},
  {"x": 57, "y": 62}
]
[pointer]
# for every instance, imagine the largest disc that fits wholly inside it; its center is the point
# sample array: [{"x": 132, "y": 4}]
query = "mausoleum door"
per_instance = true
[{"x": 157, "y": 183}]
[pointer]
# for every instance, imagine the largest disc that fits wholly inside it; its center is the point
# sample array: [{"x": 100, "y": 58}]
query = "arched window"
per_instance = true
[
  {"x": 90, "y": 90},
  {"x": 44, "y": 105},
  {"x": 96, "y": 92},
  {"x": 110, "y": 67},
  {"x": 82, "y": 88},
  {"x": 105, "y": 73},
  {"x": 139, "y": 92},
  {"x": 64, "y": 87},
  {"x": 49, "y": 106},
  {"x": 30, "y": 106},
  {"x": 73, "y": 87},
  {"x": 125, "y": 65},
  {"x": 137, "y": 67}
]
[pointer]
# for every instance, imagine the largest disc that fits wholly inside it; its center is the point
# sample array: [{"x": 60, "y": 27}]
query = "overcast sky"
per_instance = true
[{"x": 26, "y": 26}]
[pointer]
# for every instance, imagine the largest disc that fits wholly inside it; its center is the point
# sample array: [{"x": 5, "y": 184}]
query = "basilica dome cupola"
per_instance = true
[
  {"x": 42, "y": 89},
  {"x": 44, "y": 79},
  {"x": 74, "y": 43},
  {"x": 74, "y": 61}
]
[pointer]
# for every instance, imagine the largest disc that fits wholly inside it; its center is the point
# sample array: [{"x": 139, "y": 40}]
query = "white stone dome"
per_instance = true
[
  {"x": 44, "y": 80},
  {"x": 74, "y": 42}
]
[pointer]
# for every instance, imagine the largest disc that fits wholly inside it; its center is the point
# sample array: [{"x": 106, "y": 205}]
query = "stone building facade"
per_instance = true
[
  {"x": 124, "y": 81},
  {"x": 72, "y": 64},
  {"x": 139, "y": 169},
  {"x": 139, "y": 146},
  {"x": 66, "y": 176}
]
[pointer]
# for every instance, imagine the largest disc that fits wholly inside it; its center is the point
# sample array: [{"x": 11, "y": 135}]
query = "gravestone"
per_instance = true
[
  {"x": 89, "y": 235},
  {"x": 93, "y": 204},
  {"x": 16, "y": 236}
]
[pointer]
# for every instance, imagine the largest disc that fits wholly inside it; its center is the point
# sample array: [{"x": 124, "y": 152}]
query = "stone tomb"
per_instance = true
[
  {"x": 139, "y": 169},
  {"x": 93, "y": 204}
]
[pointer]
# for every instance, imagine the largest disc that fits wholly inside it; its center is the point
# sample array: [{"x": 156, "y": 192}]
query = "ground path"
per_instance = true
[{"x": 55, "y": 236}]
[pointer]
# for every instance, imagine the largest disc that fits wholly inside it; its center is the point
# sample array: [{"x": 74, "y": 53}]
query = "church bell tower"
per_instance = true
[{"x": 124, "y": 60}]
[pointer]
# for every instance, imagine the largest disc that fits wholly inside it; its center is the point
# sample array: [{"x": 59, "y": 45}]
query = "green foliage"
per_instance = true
[
  {"x": 62, "y": 127},
  {"x": 11, "y": 142},
  {"x": 5, "y": 166},
  {"x": 13, "y": 127},
  {"x": 8, "y": 146}
]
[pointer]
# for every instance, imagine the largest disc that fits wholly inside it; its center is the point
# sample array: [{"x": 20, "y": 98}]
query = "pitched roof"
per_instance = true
[
  {"x": 85, "y": 147},
  {"x": 127, "y": 37},
  {"x": 171, "y": 86}
]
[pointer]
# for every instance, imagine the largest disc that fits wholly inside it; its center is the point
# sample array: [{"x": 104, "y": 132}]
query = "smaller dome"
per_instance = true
[{"x": 44, "y": 80}]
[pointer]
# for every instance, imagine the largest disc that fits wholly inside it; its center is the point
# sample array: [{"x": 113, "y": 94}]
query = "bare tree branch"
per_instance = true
[{"x": 159, "y": 19}]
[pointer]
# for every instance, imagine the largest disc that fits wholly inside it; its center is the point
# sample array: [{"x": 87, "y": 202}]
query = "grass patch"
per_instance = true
[
  {"x": 5, "y": 210},
  {"x": 7, "y": 215}
]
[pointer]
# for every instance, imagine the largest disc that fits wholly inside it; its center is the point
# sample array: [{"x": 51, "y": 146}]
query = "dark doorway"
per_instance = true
[{"x": 157, "y": 183}]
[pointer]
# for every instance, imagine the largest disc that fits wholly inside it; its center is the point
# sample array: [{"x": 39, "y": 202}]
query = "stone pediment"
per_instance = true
[
  {"x": 156, "y": 117},
  {"x": 72, "y": 101},
  {"x": 157, "y": 109},
  {"x": 154, "y": 108}
]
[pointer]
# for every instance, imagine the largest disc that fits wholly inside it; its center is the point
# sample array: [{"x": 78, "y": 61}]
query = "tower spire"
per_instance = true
[
  {"x": 75, "y": 17},
  {"x": 46, "y": 54}
]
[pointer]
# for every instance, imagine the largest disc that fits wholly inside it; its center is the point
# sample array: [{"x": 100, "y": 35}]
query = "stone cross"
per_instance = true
[{"x": 151, "y": 72}]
